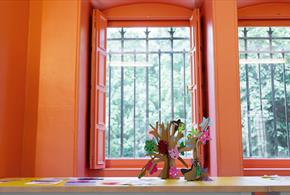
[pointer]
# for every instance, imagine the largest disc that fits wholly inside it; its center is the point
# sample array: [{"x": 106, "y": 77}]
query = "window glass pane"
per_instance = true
[
  {"x": 258, "y": 31},
  {"x": 264, "y": 90},
  {"x": 163, "y": 45},
  {"x": 241, "y": 45},
  {"x": 281, "y": 31},
  {"x": 256, "y": 45},
  {"x": 113, "y": 45},
  {"x": 280, "y": 45},
  {"x": 180, "y": 45},
  {"x": 138, "y": 45},
  {"x": 115, "y": 112},
  {"x": 113, "y": 33},
  {"x": 143, "y": 84},
  {"x": 135, "y": 32},
  {"x": 159, "y": 32},
  {"x": 182, "y": 32}
]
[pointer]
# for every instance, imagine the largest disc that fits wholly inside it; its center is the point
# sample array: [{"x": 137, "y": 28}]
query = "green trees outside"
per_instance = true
[
  {"x": 265, "y": 89},
  {"x": 265, "y": 102},
  {"x": 140, "y": 80}
]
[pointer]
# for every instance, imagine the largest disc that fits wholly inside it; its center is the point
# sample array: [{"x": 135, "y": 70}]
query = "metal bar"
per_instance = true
[
  {"x": 261, "y": 103},
  {"x": 149, "y": 52},
  {"x": 286, "y": 105},
  {"x": 134, "y": 107},
  {"x": 248, "y": 97},
  {"x": 152, "y": 38},
  {"x": 159, "y": 90},
  {"x": 265, "y": 38},
  {"x": 264, "y": 51},
  {"x": 109, "y": 105},
  {"x": 171, "y": 32},
  {"x": 184, "y": 90},
  {"x": 122, "y": 96},
  {"x": 273, "y": 94},
  {"x": 147, "y": 80}
]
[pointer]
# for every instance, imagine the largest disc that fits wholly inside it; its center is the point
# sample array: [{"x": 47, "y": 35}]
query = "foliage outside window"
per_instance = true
[
  {"x": 139, "y": 95},
  {"x": 265, "y": 91}
]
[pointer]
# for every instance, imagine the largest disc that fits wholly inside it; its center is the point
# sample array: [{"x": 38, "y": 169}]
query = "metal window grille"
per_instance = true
[
  {"x": 117, "y": 141},
  {"x": 265, "y": 92}
]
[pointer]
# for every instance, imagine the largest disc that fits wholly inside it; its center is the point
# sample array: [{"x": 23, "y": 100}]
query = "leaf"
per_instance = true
[{"x": 182, "y": 145}]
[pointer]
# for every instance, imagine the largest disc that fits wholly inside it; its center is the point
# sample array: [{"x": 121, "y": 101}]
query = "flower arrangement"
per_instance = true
[{"x": 167, "y": 146}]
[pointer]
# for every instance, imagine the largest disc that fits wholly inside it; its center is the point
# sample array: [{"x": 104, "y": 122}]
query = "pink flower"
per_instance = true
[
  {"x": 173, "y": 172},
  {"x": 173, "y": 153},
  {"x": 204, "y": 137},
  {"x": 153, "y": 169}
]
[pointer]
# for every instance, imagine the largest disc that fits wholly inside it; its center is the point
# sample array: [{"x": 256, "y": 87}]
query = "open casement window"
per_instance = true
[
  {"x": 98, "y": 91},
  {"x": 98, "y": 82},
  {"x": 196, "y": 72}
]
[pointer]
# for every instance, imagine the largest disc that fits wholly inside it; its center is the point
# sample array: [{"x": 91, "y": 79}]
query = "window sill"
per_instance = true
[
  {"x": 136, "y": 163},
  {"x": 127, "y": 168},
  {"x": 259, "y": 167}
]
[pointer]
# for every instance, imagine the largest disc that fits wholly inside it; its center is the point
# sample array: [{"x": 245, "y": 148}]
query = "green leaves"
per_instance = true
[
  {"x": 181, "y": 145},
  {"x": 150, "y": 146},
  {"x": 181, "y": 127},
  {"x": 194, "y": 132}
]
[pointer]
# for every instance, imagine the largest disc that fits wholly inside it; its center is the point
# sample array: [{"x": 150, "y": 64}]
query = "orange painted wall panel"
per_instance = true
[
  {"x": 208, "y": 58},
  {"x": 31, "y": 88},
  {"x": 13, "y": 48},
  {"x": 83, "y": 88},
  {"x": 55, "y": 144},
  {"x": 149, "y": 11},
  {"x": 228, "y": 88},
  {"x": 265, "y": 11},
  {"x": 221, "y": 55}
]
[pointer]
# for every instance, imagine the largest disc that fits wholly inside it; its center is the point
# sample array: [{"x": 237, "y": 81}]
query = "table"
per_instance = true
[{"x": 156, "y": 186}]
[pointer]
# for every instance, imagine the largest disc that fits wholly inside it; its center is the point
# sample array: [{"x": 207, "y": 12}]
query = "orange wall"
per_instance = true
[
  {"x": 32, "y": 84},
  {"x": 13, "y": 48},
  {"x": 44, "y": 58},
  {"x": 83, "y": 88},
  {"x": 221, "y": 60},
  {"x": 56, "y": 123},
  {"x": 55, "y": 120},
  {"x": 274, "y": 14}
]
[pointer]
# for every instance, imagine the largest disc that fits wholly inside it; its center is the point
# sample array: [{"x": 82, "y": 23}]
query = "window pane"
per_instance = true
[
  {"x": 135, "y": 33},
  {"x": 159, "y": 32},
  {"x": 264, "y": 90},
  {"x": 163, "y": 45},
  {"x": 145, "y": 90}
]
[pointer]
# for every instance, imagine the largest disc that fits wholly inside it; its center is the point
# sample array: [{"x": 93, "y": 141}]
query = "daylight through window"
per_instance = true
[
  {"x": 265, "y": 91},
  {"x": 147, "y": 76}
]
